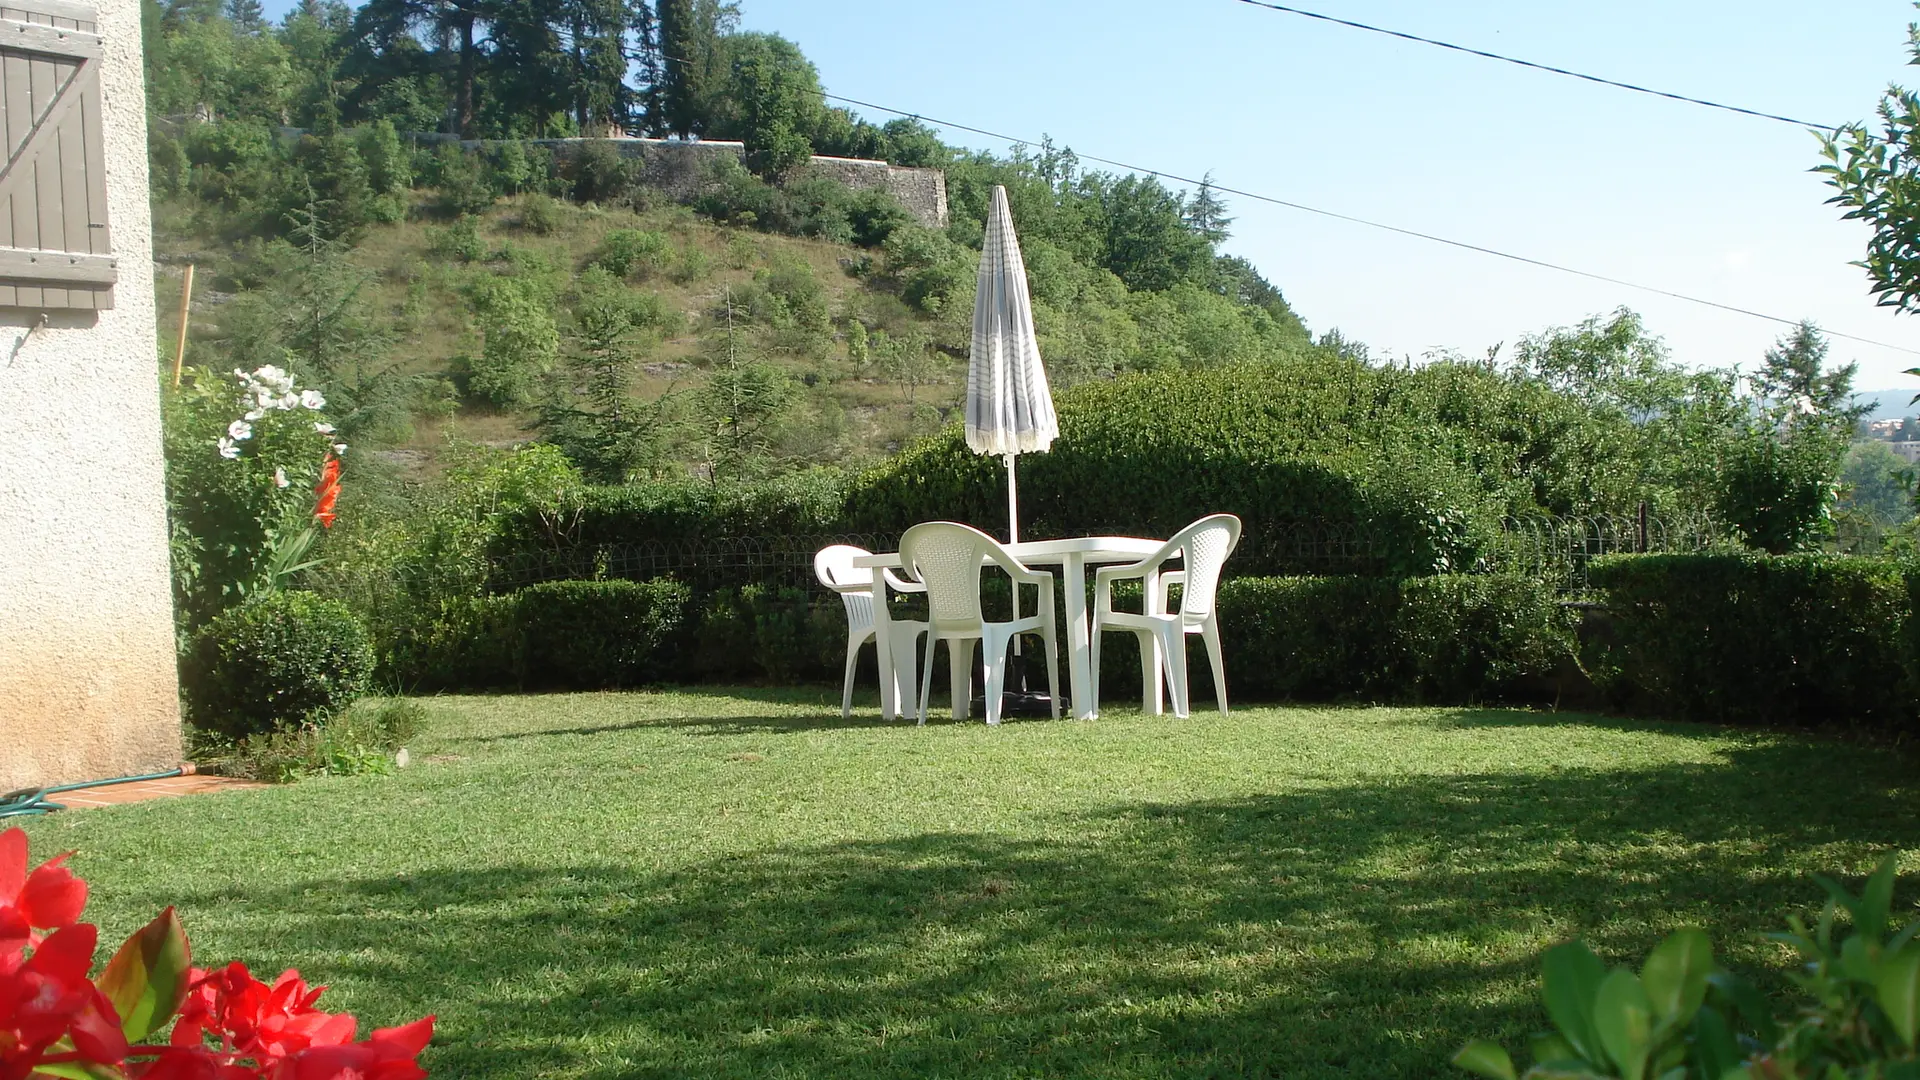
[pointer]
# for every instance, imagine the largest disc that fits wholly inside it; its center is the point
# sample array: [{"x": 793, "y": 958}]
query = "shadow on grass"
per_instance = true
[{"x": 1360, "y": 930}]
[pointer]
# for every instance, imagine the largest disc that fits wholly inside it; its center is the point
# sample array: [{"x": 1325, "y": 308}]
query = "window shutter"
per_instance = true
[{"x": 55, "y": 247}]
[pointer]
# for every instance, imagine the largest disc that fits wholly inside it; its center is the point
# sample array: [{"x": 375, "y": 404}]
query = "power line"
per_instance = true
[
  {"x": 1536, "y": 66},
  {"x": 1336, "y": 215}
]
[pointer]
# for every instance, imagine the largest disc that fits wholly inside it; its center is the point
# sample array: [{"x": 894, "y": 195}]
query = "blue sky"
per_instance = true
[{"x": 1625, "y": 185}]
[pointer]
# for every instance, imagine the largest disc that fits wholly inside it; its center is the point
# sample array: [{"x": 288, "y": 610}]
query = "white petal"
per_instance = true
[
  {"x": 324, "y": 429},
  {"x": 228, "y": 450},
  {"x": 239, "y": 429},
  {"x": 280, "y": 478},
  {"x": 254, "y": 414},
  {"x": 312, "y": 399},
  {"x": 339, "y": 449}
]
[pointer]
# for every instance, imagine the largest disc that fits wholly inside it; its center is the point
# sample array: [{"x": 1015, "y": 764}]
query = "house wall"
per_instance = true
[{"x": 87, "y": 674}]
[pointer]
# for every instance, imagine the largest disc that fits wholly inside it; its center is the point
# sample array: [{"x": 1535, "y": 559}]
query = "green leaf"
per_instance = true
[
  {"x": 1483, "y": 1057},
  {"x": 1898, "y": 984},
  {"x": 1675, "y": 976},
  {"x": 1547, "y": 1046},
  {"x": 1713, "y": 1043},
  {"x": 1570, "y": 981},
  {"x": 1870, "y": 919},
  {"x": 1748, "y": 1003},
  {"x": 147, "y": 978},
  {"x": 1624, "y": 1019}
]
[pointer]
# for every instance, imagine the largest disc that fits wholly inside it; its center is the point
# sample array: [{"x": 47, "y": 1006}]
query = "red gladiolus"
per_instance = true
[
  {"x": 278, "y": 1028},
  {"x": 326, "y": 492},
  {"x": 49, "y": 898}
]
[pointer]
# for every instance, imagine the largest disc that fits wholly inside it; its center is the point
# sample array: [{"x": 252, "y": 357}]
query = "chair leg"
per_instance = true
[
  {"x": 1053, "y": 666},
  {"x": 993, "y": 657},
  {"x": 906, "y": 654},
  {"x": 926, "y": 674},
  {"x": 1152, "y": 668},
  {"x": 1210, "y": 632},
  {"x": 846, "y": 690},
  {"x": 1093, "y": 679},
  {"x": 960, "y": 675},
  {"x": 1175, "y": 646}
]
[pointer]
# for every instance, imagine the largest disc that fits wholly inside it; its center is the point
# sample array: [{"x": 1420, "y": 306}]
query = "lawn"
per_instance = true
[{"x": 739, "y": 884}]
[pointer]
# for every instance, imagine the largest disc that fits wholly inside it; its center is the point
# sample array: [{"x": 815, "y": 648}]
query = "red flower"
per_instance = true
[
  {"x": 49, "y": 898},
  {"x": 278, "y": 1028},
  {"x": 327, "y": 491},
  {"x": 49, "y": 998}
]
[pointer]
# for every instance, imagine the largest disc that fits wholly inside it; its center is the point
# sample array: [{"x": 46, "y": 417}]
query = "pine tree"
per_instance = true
[
  {"x": 246, "y": 15},
  {"x": 1207, "y": 212}
]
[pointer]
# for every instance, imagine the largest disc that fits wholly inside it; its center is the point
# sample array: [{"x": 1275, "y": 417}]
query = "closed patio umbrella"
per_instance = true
[{"x": 1009, "y": 407}]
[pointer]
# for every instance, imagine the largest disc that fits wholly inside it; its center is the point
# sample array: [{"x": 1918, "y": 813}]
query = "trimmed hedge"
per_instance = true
[
  {"x": 574, "y": 635},
  {"x": 593, "y": 634},
  {"x": 1455, "y": 639},
  {"x": 1755, "y": 639},
  {"x": 281, "y": 659}
]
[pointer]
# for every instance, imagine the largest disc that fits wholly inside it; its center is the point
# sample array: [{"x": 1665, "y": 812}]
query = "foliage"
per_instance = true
[
  {"x": 1748, "y": 638},
  {"x": 737, "y": 406},
  {"x": 520, "y": 341},
  {"x": 1684, "y": 1016},
  {"x": 599, "y": 426},
  {"x": 592, "y": 634},
  {"x": 361, "y": 740},
  {"x": 1456, "y": 639},
  {"x": 625, "y": 251},
  {"x": 1876, "y": 177},
  {"x": 1877, "y": 489},
  {"x": 57, "y": 1021},
  {"x": 243, "y": 463},
  {"x": 279, "y": 660}
]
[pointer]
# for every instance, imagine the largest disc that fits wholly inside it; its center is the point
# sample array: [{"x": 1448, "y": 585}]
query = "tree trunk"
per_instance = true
[{"x": 463, "y": 94}]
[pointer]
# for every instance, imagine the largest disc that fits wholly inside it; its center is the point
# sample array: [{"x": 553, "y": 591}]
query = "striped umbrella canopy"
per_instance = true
[{"x": 1009, "y": 408}]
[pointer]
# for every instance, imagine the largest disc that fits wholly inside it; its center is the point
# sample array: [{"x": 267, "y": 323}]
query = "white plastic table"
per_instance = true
[{"x": 1073, "y": 555}]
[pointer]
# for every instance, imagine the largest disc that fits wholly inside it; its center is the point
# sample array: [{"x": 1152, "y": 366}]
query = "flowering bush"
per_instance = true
[
  {"x": 56, "y": 1022},
  {"x": 251, "y": 471}
]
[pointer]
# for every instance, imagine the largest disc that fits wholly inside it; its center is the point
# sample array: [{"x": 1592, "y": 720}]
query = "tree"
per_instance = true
[
  {"x": 740, "y": 402},
  {"x": 1207, "y": 212},
  {"x": 246, "y": 16},
  {"x": 771, "y": 101},
  {"x": 1794, "y": 373},
  {"x": 594, "y": 419},
  {"x": 691, "y": 62}
]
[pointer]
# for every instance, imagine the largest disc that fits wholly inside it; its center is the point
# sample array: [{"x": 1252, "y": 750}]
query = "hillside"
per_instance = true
[{"x": 844, "y": 410}]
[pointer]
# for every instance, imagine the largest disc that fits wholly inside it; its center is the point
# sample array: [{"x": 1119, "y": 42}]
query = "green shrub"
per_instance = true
[
  {"x": 460, "y": 643},
  {"x": 361, "y": 740},
  {"x": 282, "y": 659},
  {"x": 460, "y": 240},
  {"x": 1453, "y": 639},
  {"x": 541, "y": 214},
  {"x": 594, "y": 634},
  {"x": 779, "y": 633},
  {"x": 1750, "y": 638},
  {"x": 625, "y": 251},
  {"x": 1682, "y": 1015},
  {"x": 598, "y": 172}
]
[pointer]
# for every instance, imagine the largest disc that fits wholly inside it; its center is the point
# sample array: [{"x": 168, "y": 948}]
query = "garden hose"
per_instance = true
[{"x": 31, "y": 801}]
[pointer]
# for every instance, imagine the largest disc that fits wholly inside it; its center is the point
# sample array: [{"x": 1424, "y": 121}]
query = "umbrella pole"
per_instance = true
[{"x": 1013, "y": 537}]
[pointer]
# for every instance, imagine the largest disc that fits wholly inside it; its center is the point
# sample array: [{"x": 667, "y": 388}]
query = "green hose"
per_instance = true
[{"x": 33, "y": 801}]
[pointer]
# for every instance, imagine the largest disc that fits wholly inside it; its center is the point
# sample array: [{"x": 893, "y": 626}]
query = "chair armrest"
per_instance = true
[
  {"x": 1167, "y": 581},
  {"x": 901, "y": 584}
]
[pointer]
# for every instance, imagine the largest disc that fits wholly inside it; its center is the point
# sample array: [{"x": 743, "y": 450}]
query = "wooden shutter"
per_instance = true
[{"x": 55, "y": 248}]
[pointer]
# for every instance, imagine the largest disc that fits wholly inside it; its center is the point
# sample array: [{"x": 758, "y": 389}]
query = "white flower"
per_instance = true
[
  {"x": 312, "y": 399},
  {"x": 339, "y": 449},
  {"x": 254, "y": 414},
  {"x": 239, "y": 429},
  {"x": 324, "y": 429},
  {"x": 287, "y": 400},
  {"x": 274, "y": 377},
  {"x": 228, "y": 449},
  {"x": 280, "y": 478}
]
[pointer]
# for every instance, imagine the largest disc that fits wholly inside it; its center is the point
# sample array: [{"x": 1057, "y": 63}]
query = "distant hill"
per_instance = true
[{"x": 1889, "y": 404}]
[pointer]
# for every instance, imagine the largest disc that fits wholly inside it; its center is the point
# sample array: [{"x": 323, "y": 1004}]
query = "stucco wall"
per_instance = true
[{"x": 87, "y": 676}]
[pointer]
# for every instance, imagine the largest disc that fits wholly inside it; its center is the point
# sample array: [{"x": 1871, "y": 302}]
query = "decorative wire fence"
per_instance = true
[
  {"x": 1559, "y": 550},
  {"x": 1554, "y": 549}
]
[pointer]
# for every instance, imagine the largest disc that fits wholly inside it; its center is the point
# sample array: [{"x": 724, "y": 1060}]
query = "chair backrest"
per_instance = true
[
  {"x": 833, "y": 565},
  {"x": 1206, "y": 544},
  {"x": 947, "y": 556}
]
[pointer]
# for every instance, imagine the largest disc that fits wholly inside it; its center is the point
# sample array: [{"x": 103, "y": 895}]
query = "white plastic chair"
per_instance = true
[
  {"x": 947, "y": 558},
  {"x": 834, "y": 567},
  {"x": 1205, "y": 544}
]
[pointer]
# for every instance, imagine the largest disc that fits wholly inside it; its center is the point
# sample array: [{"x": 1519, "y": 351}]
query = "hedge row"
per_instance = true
[
  {"x": 1461, "y": 638},
  {"x": 1753, "y": 639}
]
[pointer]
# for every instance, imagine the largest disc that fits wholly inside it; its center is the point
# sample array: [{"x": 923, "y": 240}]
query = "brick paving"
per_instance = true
[{"x": 143, "y": 790}]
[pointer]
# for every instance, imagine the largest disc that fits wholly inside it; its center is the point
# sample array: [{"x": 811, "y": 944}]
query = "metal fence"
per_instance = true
[
  {"x": 1555, "y": 549},
  {"x": 1560, "y": 549}
]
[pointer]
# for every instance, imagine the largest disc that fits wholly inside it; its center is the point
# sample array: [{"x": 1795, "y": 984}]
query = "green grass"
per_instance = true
[{"x": 739, "y": 884}]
